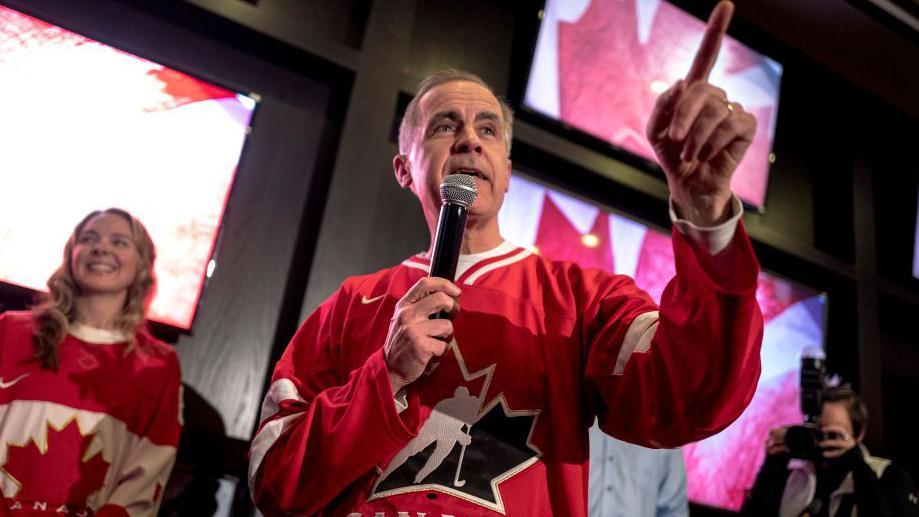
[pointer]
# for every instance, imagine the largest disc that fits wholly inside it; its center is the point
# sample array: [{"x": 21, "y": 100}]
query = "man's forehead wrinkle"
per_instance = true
[
  {"x": 460, "y": 105},
  {"x": 447, "y": 114},
  {"x": 434, "y": 101},
  {"x": 487, "y": 115},
  {"x": 457, "y": 116}
]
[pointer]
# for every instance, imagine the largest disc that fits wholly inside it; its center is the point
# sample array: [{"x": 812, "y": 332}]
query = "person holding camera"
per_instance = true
[{"x": 825, "y": 470}]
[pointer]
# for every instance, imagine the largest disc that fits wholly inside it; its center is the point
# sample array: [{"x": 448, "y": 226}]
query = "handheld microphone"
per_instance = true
[{"x": 458, "y": 193}]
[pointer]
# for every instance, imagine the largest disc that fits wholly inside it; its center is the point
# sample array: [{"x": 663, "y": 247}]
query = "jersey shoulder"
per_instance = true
[
  {"x": 398, "y": 276},
  {"x": 17, "y": 319}
]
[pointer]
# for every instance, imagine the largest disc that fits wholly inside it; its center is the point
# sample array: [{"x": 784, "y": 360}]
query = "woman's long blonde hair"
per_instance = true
[{"x": 57, "y": 310}]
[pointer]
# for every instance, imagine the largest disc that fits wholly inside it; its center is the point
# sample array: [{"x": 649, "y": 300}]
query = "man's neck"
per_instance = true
[
  {"x": 478, "y": 243},
  {"x": 476, "y": 239}
]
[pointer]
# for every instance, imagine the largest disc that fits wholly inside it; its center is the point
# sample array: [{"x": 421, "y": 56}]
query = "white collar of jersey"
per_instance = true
[
  {"x": 96, "y": 336},
  {"x": 467, "y": 261}
]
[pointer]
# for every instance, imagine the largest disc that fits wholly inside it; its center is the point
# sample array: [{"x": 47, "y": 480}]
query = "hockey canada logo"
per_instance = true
[{"x": 465, "y": 447}]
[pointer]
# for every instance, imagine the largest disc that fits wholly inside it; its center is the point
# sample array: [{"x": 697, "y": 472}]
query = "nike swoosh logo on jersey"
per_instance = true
[
  {"x": 367, "y": 301},
  {"x": 5, "y": 385}
]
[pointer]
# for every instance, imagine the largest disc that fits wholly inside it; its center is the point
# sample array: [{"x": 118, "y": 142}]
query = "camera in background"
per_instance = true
[{"x": 802, "y": 440}]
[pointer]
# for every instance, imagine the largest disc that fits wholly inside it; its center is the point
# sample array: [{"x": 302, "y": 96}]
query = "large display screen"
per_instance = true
[
  {"x": 719, "y": 468},
  {"x": 599, "y": 65},
  {"x": 86, "y": 127}
]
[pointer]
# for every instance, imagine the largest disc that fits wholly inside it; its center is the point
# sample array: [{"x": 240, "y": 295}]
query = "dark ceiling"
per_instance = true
[{"x": 872, "y": 43}]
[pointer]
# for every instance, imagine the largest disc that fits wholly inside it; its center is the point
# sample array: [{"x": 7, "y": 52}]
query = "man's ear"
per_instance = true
[
  {"x": 402, "y": 169},
  {"x": 510, "y": 169}
]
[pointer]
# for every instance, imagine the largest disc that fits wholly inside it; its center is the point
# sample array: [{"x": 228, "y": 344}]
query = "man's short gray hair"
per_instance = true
[{"x": 412, "y": 115}]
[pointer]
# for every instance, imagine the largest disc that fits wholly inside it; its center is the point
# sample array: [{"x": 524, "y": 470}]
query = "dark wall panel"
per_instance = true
[
  {"x": 474, "y": 35},
  {"x": 331, "y": 28},
  {"x": 226, "y": 359},
  {"x": 368, "y": 224}
]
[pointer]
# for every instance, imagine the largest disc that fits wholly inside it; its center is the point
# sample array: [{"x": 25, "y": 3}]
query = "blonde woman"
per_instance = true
[{"x": 89, "y": 400}]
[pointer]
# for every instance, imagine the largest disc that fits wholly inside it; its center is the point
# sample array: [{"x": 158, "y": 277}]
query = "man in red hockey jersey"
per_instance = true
[{"x": 353, "y": 426}]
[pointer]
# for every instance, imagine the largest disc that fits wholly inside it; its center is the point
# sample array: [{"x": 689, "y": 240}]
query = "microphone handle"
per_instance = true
[{"x": 447, "y": 242}]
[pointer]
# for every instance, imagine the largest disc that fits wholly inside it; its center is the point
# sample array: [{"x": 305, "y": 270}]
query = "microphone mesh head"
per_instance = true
[{"x": 459, "y": 189}]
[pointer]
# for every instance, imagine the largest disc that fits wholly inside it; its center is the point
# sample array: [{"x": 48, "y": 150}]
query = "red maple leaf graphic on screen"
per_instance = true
[
  {"x": 558, "y": 239},
  {"x": 75, "y": 478},
  {"x": 606, "y": 72},
  {"x": 24, "y": 33},
  {"x": 184, "y": 89},
  {"x": 774, "y": 296},
  {"x": 655, "y": 264}
]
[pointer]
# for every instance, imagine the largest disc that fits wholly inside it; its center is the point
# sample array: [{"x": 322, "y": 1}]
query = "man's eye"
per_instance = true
[
  {"x": 490, "y": 131},
  {"x": 443, "y": 128}
]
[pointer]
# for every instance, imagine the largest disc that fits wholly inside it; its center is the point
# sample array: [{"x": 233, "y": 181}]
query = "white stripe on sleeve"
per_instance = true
[
  {"x": 280, "y": 390},
  {"x": 637, "y": 339}
]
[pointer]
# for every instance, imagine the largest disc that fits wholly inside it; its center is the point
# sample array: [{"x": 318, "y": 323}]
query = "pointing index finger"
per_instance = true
[{"x": 707, "y": 54}]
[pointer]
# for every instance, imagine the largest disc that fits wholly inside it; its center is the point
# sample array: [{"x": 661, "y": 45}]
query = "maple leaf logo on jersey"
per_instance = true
[
  {"x": 77, "y": 471},
  {"x": 464, "y": 448}
]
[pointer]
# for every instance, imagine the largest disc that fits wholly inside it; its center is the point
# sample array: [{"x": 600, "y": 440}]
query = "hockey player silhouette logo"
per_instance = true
[
  {"x": 465, "y": 447},
  {"x": 445, "y": 426}
]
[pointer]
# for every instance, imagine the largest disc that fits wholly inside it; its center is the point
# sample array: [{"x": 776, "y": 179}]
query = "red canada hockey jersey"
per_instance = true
[
  {"x": 540, "y": 349},
  {"x": 99, "y": 436}
]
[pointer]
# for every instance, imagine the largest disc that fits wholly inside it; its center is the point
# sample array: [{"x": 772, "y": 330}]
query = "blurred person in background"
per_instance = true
[
  {"x": 840, "y": 479},
  {"x": 628, "y": 480}
]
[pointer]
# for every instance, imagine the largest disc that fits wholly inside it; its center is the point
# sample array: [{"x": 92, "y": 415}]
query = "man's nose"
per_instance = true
[{"x": 467, "y": 141}]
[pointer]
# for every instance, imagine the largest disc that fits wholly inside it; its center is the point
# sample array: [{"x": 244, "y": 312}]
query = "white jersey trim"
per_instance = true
[
  {"x": 416, "y": 265},
  {"x": 96, "y": 336},
  {"x": 280, "y": 390},
  {"x": 465, "y": 261},
  {"x": 637, "y": 339},
  {"x": 263, "y": 441},
  {"x": 522, "y": 254},
  {"x": 144, "y": 477}
]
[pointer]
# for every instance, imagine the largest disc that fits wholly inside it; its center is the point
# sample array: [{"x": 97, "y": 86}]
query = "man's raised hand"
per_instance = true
[{"x": 698, "y": 135}]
